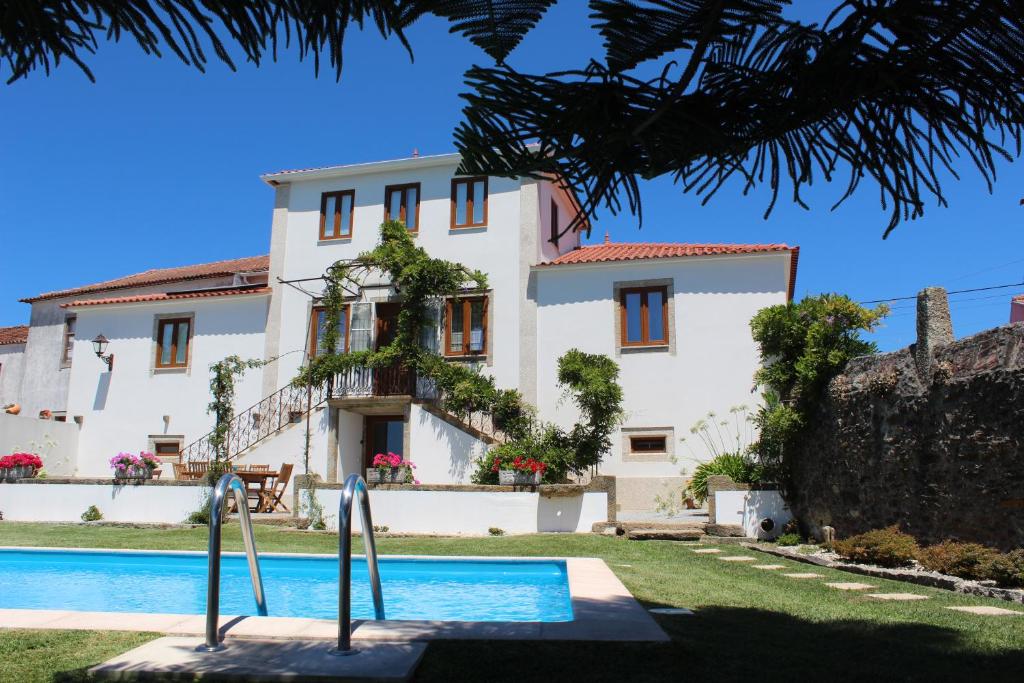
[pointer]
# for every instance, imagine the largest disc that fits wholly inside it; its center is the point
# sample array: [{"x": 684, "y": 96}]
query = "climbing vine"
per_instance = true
[
  {"x": 803, "y": 346},
  {"x": 424, "y": 283},
  {"x": 223, "y": 374}
]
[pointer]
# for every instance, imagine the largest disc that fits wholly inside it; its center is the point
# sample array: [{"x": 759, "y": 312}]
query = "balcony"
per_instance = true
[{"x": 391, "y": 382}]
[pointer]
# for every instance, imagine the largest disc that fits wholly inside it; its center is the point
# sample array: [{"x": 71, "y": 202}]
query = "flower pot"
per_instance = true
[
  {"x": 396, "y": 475},
  {"x": 134, "y": 472},
  {"x": 516, "y": 478},
  {"x": 19, "y": 472}
]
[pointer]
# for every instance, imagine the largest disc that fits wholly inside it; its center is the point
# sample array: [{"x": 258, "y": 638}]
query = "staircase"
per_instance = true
[
  {"x": 273, "y": 414},
  {"x": 289, "y": 405}
]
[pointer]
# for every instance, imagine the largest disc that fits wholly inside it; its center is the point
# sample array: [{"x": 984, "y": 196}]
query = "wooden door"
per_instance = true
[{"x": 394, "y": 380}]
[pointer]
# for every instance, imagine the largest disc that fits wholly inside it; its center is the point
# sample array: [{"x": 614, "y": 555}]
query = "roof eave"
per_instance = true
[{"x": 274, "y": 179}]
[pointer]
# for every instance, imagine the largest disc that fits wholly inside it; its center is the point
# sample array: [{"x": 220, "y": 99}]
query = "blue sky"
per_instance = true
[{"x": 157, "y": 165}]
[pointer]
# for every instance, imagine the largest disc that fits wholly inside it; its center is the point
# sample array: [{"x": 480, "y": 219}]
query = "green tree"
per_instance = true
[{"x": 803, "y": 346}]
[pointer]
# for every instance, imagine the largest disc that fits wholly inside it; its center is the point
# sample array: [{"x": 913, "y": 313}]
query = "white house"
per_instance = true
[{"x": 674, "y": 316}]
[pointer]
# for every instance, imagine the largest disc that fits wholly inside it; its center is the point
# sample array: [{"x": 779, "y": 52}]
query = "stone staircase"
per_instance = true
[{"x": 657, "y": 530}]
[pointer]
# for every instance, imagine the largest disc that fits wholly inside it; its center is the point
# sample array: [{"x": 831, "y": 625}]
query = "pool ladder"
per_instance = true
[
  {"x": 234, "y": 484},
  {"x": 354, "y": 487}
]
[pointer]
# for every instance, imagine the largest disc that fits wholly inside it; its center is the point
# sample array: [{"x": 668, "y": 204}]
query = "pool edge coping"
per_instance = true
[{"x": 603, "y": 610}]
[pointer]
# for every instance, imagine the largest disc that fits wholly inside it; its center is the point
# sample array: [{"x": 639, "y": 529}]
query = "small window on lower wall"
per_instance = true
[{"x": 647, "y": 444}]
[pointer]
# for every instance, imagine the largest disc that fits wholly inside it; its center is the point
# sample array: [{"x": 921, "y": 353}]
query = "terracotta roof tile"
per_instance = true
[
  {"x": 633, "y": 251},
  {"x": 14, "y": 335},
  {"x": 164, "y": 275},
  {"x": 167, "y": 296}
]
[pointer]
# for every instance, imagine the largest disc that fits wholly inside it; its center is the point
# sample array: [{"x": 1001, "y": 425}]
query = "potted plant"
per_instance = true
[
  {"x": 390, "y": 468},
  {"x": 130, "y": 466},
  {"x": 519, "y": 471},
  {"x": 20, "y": 466}
]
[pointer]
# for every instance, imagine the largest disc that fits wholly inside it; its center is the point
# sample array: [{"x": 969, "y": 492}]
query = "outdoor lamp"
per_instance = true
[{"x": 99, "y": 345}]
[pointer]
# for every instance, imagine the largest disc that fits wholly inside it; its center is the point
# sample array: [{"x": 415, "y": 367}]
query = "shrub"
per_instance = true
[
  {"x": 1006, "y": 569},
  {"x": 966, "y": 560},
  {"x": 92, "y": 514},
  {"x": 888, "y": 547},
  {"x": 200, "y": 516},
  {"x": 496, "y": 531},
  {"x": 789, "y": 539},
  {"x": 381, "y": 528},
  {"x": 739, "y": 467}
]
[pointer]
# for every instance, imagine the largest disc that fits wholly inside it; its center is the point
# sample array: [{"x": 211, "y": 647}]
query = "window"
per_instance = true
[
  {"x": 554, "y": 222},
  {"x": 361, "y": 327},
  {"x": 402, "y": 203},
  {"x": 167, "y": 450},
  {"x": 172, "y": 339},
  {"x": 469, "y": 202},
  {"x": 644, "y": 312},
  {"x": 69, "y": 342},
  {"x": 466, "y": 327},
  {"x": 336, "y": 214},
  {"x": 318, "y": 326},
  {"x": 647, "y": 444}
]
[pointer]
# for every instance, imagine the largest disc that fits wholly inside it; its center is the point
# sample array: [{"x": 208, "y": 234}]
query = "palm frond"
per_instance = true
[
  {"x": 897, "y": 92},
  {"x": 496, "y": 26}
]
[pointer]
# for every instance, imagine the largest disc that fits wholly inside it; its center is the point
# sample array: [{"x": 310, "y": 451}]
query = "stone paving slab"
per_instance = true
[
  {"x": 768, "y": 566},
  {"x": 807, "y": 575},
  {"x": 850, "y": 586},
  {"x": 897, "y": 596},
  {"x": 737, "y": 558},
  {"x": 707, "y": 550},
  {"x": 987, "y": 611},
  {"x": 172, "y": 658},
  {"x": 676, "y": 611}
]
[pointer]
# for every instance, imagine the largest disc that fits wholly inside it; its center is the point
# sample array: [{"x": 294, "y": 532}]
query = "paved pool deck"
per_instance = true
[{"x": 603, "y": 610}]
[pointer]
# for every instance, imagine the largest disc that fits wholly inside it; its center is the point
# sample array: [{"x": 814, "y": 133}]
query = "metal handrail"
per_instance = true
[
  {"x": 237, "y": 487},
  {"x": 354, "y": 485}
]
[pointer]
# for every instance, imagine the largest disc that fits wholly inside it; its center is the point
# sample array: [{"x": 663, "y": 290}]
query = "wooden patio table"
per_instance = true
[{"x": 259, "y": 479}]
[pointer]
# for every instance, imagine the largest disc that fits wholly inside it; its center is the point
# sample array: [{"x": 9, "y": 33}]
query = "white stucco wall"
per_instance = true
[
  {"x": 494, "y": 249},
  {"x": 473, "y": 513},
  {"x": 443, "y": 454},
  {"x": 129, "y": 503},
  {"x": 12, "y": 366},
  {"x": 120, "y": 409},
  {"x": 713, "y": 360},
  {"x": 55, "y": 442},
  {"x": 748, "y": 508}
]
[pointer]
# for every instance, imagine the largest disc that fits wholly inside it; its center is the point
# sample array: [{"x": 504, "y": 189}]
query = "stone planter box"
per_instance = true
[
  {"x": 398, "y": 475},
  {"x": 514, "y": 478},
  {"x": 15, "y": 473},
  {"x": 134, "y": 474}
]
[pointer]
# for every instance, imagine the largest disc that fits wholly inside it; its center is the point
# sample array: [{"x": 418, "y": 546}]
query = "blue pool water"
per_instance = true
[{"x": 175, "y": 583}]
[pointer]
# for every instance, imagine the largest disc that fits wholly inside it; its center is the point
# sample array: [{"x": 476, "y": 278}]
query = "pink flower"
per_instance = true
[{"x": 416, "y": 481}]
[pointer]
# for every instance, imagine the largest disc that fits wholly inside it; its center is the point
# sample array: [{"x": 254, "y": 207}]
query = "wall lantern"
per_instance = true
[{"x": 99, "y": 345}]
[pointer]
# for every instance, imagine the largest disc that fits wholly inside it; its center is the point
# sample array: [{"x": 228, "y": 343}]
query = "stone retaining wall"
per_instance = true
[{"x": 930, "y": 437}]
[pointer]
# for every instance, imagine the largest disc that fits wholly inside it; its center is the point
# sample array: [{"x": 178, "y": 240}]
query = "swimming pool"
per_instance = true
[{"x": 438, "y": 589}]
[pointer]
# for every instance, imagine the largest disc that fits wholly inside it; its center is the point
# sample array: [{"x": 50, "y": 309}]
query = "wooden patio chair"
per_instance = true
[
  {"x": 277, "y": 489},
  {"x": 259, "y": 468},
  {"x": 179, "y": 471},
  {"x": 197, "y": 470}
]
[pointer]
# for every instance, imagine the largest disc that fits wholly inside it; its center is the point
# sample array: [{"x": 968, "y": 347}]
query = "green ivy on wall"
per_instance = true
[{"x": 424, "y": 282}]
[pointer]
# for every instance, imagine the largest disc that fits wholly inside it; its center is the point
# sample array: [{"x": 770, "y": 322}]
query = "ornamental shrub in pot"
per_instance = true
[
  {"x": 391, "y": 468},
  {"x": 19, "y": 466},
  {"x": 519, "y": 471},
  {"x": 131, "y": 466}
]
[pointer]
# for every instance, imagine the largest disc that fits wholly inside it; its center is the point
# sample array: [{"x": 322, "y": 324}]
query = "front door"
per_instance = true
[{"x": 384, "y": 434}]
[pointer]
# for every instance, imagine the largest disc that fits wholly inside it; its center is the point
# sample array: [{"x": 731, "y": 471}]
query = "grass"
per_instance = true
[{"x": 749, "y": 622}]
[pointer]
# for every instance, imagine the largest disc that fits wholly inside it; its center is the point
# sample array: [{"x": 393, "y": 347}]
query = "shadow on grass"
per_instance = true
[{"x": 724, "y": 644}]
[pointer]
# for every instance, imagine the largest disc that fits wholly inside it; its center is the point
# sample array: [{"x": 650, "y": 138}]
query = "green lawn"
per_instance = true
[{"x": 749, "y": 622}]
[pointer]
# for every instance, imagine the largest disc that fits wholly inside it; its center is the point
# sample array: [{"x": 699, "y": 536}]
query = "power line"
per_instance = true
[{"x": 956, "y": 291}]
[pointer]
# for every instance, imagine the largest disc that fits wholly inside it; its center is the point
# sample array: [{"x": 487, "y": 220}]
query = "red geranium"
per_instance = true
[{"x": 21, "y": 460}]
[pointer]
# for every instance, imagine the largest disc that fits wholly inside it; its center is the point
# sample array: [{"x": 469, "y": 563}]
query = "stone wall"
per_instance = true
[{"x": 930, "y": 437}]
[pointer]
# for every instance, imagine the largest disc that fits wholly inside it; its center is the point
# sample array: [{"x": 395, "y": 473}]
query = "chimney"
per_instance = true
[
  {"x": 934, "y": 328},
  {"x": 415, "y": 152},
  {"x": 607, "y": 238}
]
